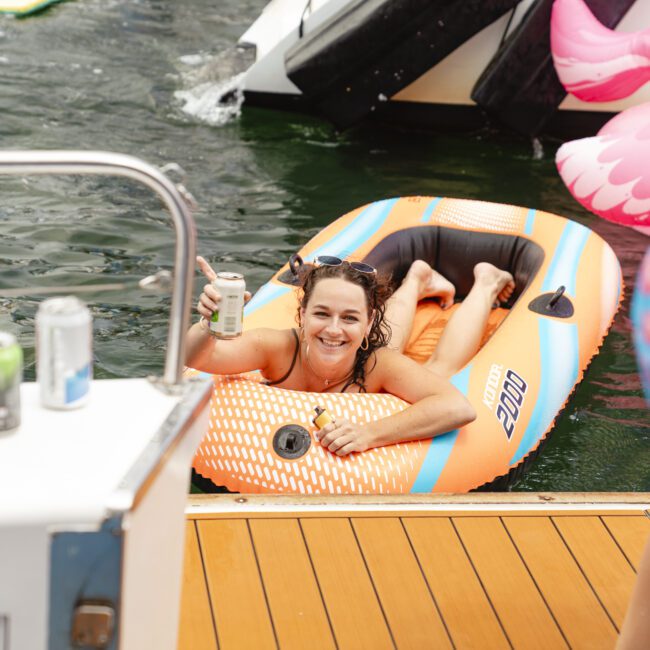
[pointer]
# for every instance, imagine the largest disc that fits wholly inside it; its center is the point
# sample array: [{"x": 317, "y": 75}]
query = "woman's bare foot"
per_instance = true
[
  {"x": 431, "y": 284},
  {"x": 500, "y": 282}
]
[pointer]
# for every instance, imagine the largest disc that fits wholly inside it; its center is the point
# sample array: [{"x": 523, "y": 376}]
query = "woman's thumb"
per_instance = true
[{"x": 206, "y": 269}]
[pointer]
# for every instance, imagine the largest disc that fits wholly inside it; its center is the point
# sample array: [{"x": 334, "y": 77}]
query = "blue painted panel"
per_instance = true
[{"x": 84, "y": 566}]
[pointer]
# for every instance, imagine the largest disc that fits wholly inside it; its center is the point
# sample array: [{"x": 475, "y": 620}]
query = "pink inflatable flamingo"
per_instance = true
[
  {"x": 609, "y": 173},
  {"x": 593, "y": 62}
]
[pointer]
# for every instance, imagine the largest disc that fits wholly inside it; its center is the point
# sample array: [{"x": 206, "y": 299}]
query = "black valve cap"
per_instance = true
[
  {"x": 552, "y": 304},
  {"x": 291, "y": 441}
]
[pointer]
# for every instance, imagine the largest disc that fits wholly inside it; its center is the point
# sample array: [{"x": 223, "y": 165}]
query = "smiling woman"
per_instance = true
[{"x": 345, "y": 343}]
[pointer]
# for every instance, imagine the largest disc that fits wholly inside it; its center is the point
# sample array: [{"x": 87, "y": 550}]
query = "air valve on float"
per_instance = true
[{"x": 553, "y": 304}]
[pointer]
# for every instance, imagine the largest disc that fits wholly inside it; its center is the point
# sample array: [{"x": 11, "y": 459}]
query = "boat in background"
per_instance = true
[{"x": 435, "y": 65}]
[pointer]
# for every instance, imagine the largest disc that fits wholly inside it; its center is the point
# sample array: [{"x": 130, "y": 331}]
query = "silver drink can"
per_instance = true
[
  {"x": 63, "y": 352},
  {"x": 227, "y": 321},
  {"x": 11, "y": 374}
]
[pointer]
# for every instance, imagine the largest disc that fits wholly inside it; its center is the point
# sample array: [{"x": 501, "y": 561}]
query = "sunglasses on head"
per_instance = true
[{"x": 332, "y": 260}]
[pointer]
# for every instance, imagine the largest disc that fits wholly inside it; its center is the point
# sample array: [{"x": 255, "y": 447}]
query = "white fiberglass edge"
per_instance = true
[
  {"x": 61, "y": 467},
  {"x": 273, "y": 33}
]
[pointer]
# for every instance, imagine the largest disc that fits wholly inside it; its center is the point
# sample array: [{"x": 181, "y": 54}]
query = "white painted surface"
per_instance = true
[
  {"x": 24, "y": 585},
  {"x": 153, "y": 553},
  {"x": 61, "y": 470},
  {"x": 273, "y": 33},
  {"x": 281, "y": 17},
  {"x": 60, "y": 467}
]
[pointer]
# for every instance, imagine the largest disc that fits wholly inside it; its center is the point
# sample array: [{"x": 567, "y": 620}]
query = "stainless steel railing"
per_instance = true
[{"x": 175, "y": 199}]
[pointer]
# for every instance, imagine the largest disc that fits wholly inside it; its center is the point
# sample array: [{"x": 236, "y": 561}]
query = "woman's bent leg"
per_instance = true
[
  {"x": 420, "y": 282},
  {"x": 462, "y": 336}
]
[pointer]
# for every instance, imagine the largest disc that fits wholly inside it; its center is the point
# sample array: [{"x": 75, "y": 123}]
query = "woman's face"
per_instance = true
[{"x": 335, "y": 321}]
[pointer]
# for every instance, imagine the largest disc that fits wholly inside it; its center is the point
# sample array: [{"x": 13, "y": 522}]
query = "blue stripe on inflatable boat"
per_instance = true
[
  {"x": 358, "y": 231},
  {"x": 428, "y": 212},
  {"x": 349, "y": 239},
  {"x": 441, "y": 446},
  {"x": 559, "y": 371},
  {"x": 559, "y": 344},
  {"x": 266, "y": 294},
  {"x": 564, "y": 265},
  {"x": 530, "y": 222}
]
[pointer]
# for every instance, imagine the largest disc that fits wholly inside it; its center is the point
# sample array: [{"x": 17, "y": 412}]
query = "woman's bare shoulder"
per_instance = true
[
  {"x": 402, "y": 376},
  {"x": 388, "y": 357},
  {"x": 270, "y": 337},
  {"x": 382, "y": 364},
  {"x": 279, "y": 347}
]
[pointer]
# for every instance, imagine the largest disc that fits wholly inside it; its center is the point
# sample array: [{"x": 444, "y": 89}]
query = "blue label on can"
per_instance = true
[{"x": 77, "y": 385}]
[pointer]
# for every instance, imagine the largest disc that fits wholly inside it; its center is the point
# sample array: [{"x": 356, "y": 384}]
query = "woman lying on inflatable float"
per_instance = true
[{"x": 350, "y": 338}]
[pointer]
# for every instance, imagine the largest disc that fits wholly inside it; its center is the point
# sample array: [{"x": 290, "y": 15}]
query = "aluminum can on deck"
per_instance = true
[
  {"x": 63, "y": 352},
  {"x": 227, "y": 321},
  {"x": 11, "y": 374}
]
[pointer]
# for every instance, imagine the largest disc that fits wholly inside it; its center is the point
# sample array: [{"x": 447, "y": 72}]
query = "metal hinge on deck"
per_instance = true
[{"x": 92, "y": 625}]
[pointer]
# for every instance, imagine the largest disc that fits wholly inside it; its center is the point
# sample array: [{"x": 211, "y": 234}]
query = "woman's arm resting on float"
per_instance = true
[{"x": 436, "y": 407}]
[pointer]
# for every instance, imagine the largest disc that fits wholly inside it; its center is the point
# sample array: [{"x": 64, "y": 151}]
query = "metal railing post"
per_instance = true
[{"x": 113, "y": 164}]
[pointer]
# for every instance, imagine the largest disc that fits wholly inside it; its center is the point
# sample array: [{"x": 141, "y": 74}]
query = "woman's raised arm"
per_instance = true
[{"x": 224, "y": 356}]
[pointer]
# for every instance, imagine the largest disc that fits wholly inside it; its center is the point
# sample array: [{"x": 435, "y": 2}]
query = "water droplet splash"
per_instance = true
[{"x": 214, "y": 85}]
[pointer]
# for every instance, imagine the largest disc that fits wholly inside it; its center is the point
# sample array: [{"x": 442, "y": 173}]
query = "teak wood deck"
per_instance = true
[{"x": 473, "y": 571}]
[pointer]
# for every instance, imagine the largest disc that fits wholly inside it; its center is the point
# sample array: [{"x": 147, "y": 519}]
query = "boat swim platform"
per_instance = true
[{"x": 481, "y": 570}]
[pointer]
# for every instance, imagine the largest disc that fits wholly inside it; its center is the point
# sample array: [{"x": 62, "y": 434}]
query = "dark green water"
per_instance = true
[{"x": 106, "y": 75}]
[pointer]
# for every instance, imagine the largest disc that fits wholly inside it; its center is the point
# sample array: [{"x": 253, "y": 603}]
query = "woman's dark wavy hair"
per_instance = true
[{"x": 377, "y": 289}]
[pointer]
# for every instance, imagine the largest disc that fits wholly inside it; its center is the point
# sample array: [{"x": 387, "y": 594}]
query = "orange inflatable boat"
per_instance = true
[{"x": 569, "y": 285}]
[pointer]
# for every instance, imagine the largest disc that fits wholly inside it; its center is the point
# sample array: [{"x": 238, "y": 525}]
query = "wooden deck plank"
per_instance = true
[
  {"x": 514, "y": 596},
  {"x": 579, "y": 613},
  {"x": 430, "y": 580},
  {"x": 631, "y": 533},
  {"x": 455, "y": 585},
  {"x": 612, "y": 580},
  {"x": 354, "y": 610},
  {"x": 295, "y": 601},
  {"x": 196, "y": 628},
  {"x": 407, "y": 602},
  {"x": 236, "y": 593}
]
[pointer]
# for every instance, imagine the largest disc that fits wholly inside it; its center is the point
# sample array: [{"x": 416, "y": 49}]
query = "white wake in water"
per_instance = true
[
  {"x": 214, "y": 103},
  {"x": 213, "y": 90}
]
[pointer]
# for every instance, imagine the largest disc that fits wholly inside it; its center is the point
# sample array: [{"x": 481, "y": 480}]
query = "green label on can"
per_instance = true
[{"x": 11, "y": 363}]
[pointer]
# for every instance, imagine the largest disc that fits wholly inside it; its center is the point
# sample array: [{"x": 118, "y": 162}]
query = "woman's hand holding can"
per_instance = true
[{"x": 222, "y": 301}]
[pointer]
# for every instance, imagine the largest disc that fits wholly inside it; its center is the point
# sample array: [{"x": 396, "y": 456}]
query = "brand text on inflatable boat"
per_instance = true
[{"x": 511, "y": 396}]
